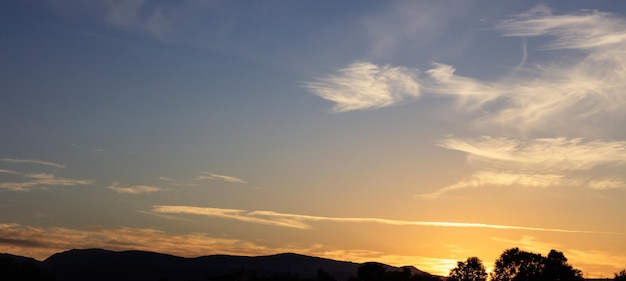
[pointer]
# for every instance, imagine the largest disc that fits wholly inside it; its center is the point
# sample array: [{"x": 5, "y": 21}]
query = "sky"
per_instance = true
[{"x": 405, "y": 132}]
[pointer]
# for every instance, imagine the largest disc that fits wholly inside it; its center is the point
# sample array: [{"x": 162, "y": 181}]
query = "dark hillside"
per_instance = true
[{"x": 101, "y": 265}]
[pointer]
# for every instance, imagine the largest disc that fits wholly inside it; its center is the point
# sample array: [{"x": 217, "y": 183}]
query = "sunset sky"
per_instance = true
[{"x": 405, "y": 132}]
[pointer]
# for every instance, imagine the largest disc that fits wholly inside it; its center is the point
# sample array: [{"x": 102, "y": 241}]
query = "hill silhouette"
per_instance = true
[{"x": 100, "y": 265}]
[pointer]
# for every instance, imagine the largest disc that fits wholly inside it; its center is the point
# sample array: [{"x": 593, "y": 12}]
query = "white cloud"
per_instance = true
[
  {"x": 471, "y": 93},
  {"x": 585, "y": 86},
  {"x": 364, "y": 85},
  {"x": 213, "y": 176},
  {"x": 31, "y": 161},
  {"x": 133, "y": 189},
  {"x": 588, "y": 86}
]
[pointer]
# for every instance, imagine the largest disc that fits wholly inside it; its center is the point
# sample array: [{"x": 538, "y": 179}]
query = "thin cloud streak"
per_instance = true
[
  {"x": 484, "y": 178},
  {"x": 31, "y": 161},
  {"x": 9, "y": 172},
  {"x": 235, "y": 214},
  {"x": 213, "y": 176},
  {"x": 41, "y": 180},
  {"x": 299, "y": 221},
  {"x": 36, "y": 180},
  {"x": 544, "y": 154},
  {"x": 133, "y": 189}
]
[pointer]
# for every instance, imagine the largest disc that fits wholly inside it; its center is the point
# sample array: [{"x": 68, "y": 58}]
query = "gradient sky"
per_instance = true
[{"x": 405, "y": 132}]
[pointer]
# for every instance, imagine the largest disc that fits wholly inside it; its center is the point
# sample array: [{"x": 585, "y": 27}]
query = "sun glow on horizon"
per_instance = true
[{"x": 403, "y": 132}]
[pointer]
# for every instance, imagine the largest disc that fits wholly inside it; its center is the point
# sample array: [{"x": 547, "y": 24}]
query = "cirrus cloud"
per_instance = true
[
  {"x": 32, "y": 161},
  {"x": 584, "y": 87},
  {"x": 133, "y": 189},
  {"x": 544, "y": 154},
  {"x": 300, "y": 221},
  {"x": 213, "y": 176},
  {"x": 543, "y": 162},
  {"x": 364, "y": 85}
]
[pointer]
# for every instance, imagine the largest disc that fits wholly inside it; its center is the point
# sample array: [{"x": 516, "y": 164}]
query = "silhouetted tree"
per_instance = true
[
  {"x": 621, "y": 276},
  {"x": 470, "y": 270},
  {"x": 516, "y": 265},
  {"x": 556, "y": 268}
]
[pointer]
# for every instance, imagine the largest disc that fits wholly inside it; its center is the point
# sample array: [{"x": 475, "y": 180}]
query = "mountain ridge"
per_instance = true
[{"x": 100, "y": 264}]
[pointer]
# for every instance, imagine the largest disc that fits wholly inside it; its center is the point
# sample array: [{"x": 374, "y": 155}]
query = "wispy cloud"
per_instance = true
[
  {"x": 23, "y": 181},
  {"x": 528, "y": 243},
  {"x": 166, "y": 21},
  {"x": 41, "y": 180},
  {"x": 545, "y": 154},
  {"x": 41, "y": 242},
  {"x": 133, "y": 189},
  {"x": 412, "y": 23},
  {"x": 586, "y": 30},
  {"x": 365, "y": 85},
  {"x": 501, "y": 179},
  {"x": 606, "y": 184},
  {"x": 213, "y": 176},
  {"x": 9, "y": 172},
  {"x": 240, "y": 215},
  {"x": 541, "y": 162},
  {"x": 596, "y": 261},
  {"x": 134, "y": 14},
  {"x": 439, "y": 266},
  {"x": 585, "y": 88},
  {"x": 302, "y": 221},
  {"x": 36, "y": 162}
]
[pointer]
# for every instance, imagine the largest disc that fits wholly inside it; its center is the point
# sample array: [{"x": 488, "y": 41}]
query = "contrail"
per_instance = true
[{"x": 301, "y": 221}]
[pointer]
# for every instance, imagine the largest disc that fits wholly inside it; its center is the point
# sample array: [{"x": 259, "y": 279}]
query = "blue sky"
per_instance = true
[{"x": 456, "y": 128}]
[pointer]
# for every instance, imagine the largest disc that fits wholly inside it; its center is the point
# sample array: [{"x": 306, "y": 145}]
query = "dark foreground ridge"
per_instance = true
[{"x": 101, "y": 265}]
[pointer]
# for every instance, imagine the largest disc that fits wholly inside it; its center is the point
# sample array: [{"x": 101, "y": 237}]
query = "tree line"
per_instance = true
[{"x": 517, "y": 265}]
